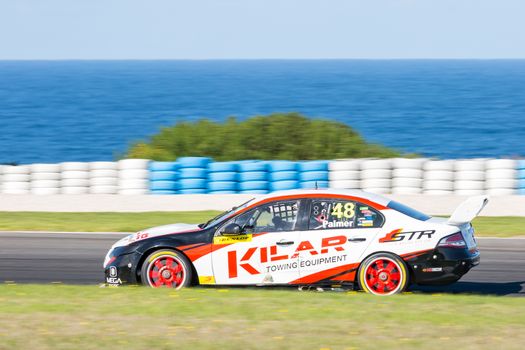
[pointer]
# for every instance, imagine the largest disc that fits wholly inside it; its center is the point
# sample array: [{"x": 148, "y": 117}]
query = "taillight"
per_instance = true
[{"x": 453, "y": 241}]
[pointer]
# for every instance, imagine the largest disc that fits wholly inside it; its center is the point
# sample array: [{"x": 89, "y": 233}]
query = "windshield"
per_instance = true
[
  {"x": 413, "y": 213},
  {"x": 224, "y": 215}
]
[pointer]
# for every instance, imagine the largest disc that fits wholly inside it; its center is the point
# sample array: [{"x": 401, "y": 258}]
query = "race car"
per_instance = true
[{"x": 346, "y": 238}]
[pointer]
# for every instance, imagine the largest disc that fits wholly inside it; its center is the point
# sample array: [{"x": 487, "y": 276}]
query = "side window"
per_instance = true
[
  {"x": 330, "y": 214},
  {"x": 271, "y": 217},
  {"x": 340, "y": 214},
  {"x": 368, "y": 217}
]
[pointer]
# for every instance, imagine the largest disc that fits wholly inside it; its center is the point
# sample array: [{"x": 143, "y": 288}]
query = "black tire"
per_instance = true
[
  {"x": 166, "y": 268},
  {"x": 383, "y": 274}
]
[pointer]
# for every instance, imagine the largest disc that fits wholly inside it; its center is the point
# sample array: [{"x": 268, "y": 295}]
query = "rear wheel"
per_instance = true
[
  {"x": 166, "y": 268},
  {"x": 383, "y": 274}
]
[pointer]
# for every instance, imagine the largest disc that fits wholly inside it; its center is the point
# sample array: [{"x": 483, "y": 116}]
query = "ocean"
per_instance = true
[{"x": 55, "y": 111}]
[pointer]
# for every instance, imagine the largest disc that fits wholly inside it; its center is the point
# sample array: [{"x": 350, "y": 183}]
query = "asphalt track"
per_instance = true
[{"x": 76, "y": 258}]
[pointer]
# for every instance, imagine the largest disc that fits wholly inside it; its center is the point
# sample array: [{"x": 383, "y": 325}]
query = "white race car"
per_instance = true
[{"x": 305, "y": 237}]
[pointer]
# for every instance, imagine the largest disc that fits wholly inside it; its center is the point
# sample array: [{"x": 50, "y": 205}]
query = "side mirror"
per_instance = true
[{"x": 231, "y": 230}]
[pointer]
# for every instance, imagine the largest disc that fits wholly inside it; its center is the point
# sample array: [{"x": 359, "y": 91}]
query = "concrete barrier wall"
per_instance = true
[
  {"x": 434, "y": 205},
  {"x": 197, "y": 175}
]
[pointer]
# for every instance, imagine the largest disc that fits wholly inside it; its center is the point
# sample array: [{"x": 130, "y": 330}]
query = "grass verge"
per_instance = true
[
  {"x": 96, "y": 222},
  {"x": 74, "y": 317},
  {"x": 130, "y": 222},
  {"x": 499, "y": 226}
]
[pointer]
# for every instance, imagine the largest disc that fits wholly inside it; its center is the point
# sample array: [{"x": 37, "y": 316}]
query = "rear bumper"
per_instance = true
[{"x": 442, "y": 265}]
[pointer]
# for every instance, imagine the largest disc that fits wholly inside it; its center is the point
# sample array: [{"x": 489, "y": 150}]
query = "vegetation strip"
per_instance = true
[
  {"x": 130, "y": 222},
  {"x": 289, "y": 136},
  {"x": 88, "y": 317}
]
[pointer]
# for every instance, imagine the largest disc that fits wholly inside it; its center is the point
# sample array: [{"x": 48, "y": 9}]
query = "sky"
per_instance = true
[{"x": 251, "y": 29}]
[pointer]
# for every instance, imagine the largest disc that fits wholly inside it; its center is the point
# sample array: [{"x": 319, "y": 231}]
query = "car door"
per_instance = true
[
  {"x": 263, "y": 253},
  {"x": 339, "y": 231}
]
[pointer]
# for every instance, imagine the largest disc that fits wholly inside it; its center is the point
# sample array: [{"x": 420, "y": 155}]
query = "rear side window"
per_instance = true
[
  {"x": 341, "y": 214},
  {"x": 413, "y": 213}
]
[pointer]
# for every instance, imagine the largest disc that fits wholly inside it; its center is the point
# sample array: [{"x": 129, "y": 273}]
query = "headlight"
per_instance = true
[{"x": 112, "y": 255}]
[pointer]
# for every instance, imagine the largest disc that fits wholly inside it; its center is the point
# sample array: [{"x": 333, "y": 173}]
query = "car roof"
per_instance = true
[{"x": 367, "y": 196}]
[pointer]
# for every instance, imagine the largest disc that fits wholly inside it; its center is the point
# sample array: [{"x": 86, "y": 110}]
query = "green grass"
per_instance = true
[
  {"x": 131, "y": 222},
  {"x": 499, "y": 226},
  {"x": 74, "y": 317},
  {"x": 96, "y": 222}
]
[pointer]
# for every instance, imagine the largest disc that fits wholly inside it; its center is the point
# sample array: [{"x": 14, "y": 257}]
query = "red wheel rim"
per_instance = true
[
  {"x": 166, "y": 271},
  {"x": 383, "y": 276}
]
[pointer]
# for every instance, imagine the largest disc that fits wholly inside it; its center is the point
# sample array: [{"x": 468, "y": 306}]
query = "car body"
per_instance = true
[{"x": 304, "y": 237}]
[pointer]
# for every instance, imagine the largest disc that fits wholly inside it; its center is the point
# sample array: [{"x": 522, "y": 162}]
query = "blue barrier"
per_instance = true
[
  {"x": 216, "y": 167},
  {"x": 193, "y": 191},
  {"x": 313, "y": 176},
  {"x": 186, "y": 184},
  {"x": 253, "y": 176},
  {"x": 313, "y": 165},
  {"x": 163, "y": 185},
  {"x": 314, "y": 184},
  {"x": 253, "y": 166},
  {"x": 254, "y": 192},
  {"x": 224, "y": 176},
  {"x": 163, "y": 166},
  {"x": 193, "y": 173},
  {"x": 284, "y": 185},
  {"x": 163, "y": 177},
  {"x": 253, "y": 186},
  {"x": 222, "y": 186},
  {"x": 282, "y": 165},
  {"x": 521, "y": 177},
  {"x": 193, "y": 162},
  {"x": 283, "y": 175}
]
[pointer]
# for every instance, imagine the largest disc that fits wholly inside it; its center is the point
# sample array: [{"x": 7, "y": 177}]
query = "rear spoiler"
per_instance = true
[{"x": 468, "y": 210}]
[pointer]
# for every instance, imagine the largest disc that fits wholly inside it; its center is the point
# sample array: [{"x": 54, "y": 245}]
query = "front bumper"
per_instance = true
[
  {"x": 122, "y": 270},
  {"x": 442, "y": 265}
]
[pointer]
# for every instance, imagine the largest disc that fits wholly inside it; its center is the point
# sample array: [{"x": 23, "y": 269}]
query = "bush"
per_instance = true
[{"x": 276, "y": 136}]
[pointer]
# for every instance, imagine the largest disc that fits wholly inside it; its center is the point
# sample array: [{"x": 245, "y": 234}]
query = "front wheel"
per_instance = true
[
  {"x": 383, "y": 274},
  {"x": 166, "y": 268}
]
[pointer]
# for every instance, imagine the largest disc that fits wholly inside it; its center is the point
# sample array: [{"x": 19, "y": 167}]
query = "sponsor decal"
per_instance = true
[
  {"x": 270, "y": 254},
  {"x": 432, "y": 269},
  {"x": 328, "y": 214},
  {"x": 398, "y": 235},
  {"x": 112, "y": 271},
  {"x": 232, "y": 239},
  {"x": 113, "y": 279},
  {"x": 337, "y": 224},
  {"x": 306, "y": 263},
  {"x": 364, "y": 222},
  {"x": 206, "y": 280}
]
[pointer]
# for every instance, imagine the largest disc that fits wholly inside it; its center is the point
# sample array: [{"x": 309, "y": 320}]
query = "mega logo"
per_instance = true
[
  {"x": 398, "y": 235},
  {"x": 269, "y": 254}
]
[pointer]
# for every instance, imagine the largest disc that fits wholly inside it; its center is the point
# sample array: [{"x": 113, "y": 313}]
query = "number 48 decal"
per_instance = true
[{"x": 347, "y": 211}]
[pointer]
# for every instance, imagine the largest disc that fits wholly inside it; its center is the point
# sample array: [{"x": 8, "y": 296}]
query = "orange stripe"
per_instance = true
[
  {"x": 197, "y": 252},
  {"x": 415, "y": 254},
  {"x": 326, "y": 274},
  {"x": 189, "y": 246},
  {"x": 350, "y": 276}
]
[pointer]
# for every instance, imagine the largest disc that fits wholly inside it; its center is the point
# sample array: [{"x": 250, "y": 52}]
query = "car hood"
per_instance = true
[{"x": 155, "y": 232}]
